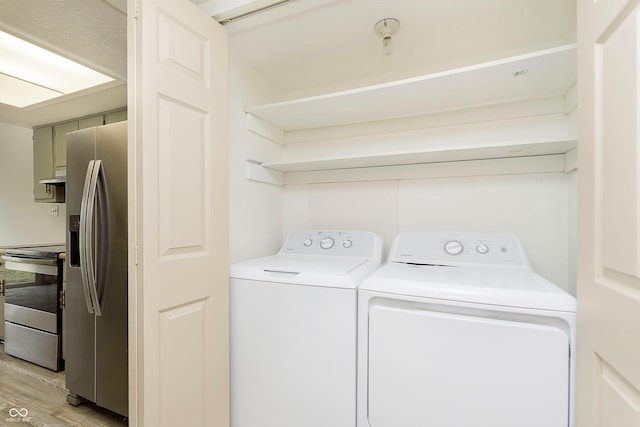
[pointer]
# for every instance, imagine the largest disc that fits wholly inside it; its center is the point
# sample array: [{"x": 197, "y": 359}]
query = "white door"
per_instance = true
[
  {"x": 178, "y": 216},
  {"x": 608, "y": 389}
]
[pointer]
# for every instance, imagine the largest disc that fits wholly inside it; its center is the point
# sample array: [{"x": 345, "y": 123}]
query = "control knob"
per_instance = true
[
  {"x": 482, "y": 248},
  {"x": 453, "y": 247},
  {"x": 327, "y": 243}
]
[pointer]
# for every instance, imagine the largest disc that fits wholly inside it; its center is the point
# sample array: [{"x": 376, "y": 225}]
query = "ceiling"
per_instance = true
[
  {"x": 91, "y": 32},
  {"x": 333, "y": 45},
  {"x": 302, "y": 47}
]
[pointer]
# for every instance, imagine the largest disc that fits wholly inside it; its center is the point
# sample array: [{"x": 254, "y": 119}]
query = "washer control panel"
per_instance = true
[
  {"x": 461, "y": 249},
  {"x": 332, "y": 243}
]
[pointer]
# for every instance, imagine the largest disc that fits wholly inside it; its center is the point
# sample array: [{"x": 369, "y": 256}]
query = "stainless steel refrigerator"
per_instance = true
[{"x": 96, "y": 285}]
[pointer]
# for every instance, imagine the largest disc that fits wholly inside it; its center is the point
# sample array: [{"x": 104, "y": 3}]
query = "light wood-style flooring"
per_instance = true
[{"x": 32, "y": 395}]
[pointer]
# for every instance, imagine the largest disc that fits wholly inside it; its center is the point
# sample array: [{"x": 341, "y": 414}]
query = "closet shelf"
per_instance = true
[
  {"x": 430, "y": 155},
  {"x": 543, "y": 73}
]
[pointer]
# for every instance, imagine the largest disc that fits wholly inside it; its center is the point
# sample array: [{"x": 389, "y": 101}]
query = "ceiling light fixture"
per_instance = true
[
  {"x": 30, "y": 74},
  {"x": 385, "y": 28}
]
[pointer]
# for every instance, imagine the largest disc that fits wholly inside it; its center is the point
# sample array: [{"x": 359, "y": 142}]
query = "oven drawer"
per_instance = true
[
  {"x": 32, "y": 345},
  {"x": 37, "y": 319}
]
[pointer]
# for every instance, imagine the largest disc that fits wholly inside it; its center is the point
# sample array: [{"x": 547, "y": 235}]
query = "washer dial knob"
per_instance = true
[
  {"x": 327, "y": 243},
  {"x": 453, "y": 247},
  {"x": 482, "y": 249},
  {"x": 308, "y": 242},
  {"x": 347, "y": 244}
]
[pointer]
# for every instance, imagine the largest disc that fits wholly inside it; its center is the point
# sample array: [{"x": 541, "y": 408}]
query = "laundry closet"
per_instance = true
[{"x": 468, "y": 124}]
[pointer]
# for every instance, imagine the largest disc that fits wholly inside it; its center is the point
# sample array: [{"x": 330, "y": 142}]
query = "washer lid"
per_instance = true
[
  {"x": 327, "y": 271},
  {"x": 504, "y": 286}
]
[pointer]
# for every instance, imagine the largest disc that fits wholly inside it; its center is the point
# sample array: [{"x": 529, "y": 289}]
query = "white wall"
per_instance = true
[
  {"x": 531, "y": 198},
  {"x": 534, "y": 207},
  {"x": 255, "y": 209},
  {"x": 22, "y": 221}
]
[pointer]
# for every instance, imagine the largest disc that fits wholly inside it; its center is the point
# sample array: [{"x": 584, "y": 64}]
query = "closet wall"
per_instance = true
[
  {"x": 531, "y": 196},
  {"x": 487, "y": 147},
  {"x": 536, "y": 207},
  {"x": 255, "y": 208}
]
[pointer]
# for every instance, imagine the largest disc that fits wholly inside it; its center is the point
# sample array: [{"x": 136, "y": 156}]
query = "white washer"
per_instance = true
[
  {"x": 293, "y": 330},
  {"x": 457, "y": 330}
]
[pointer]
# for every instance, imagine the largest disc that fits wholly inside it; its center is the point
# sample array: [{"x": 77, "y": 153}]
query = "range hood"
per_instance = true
[{"x": 60, "y": 178}]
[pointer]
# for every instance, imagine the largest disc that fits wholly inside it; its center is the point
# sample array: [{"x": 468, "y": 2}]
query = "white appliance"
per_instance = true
[
  {"x": 457, "y": 330},
  {"x": 293, "y": 330}
]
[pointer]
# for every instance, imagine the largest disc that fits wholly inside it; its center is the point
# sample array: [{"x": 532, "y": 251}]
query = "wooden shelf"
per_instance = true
[{"x": 543, "y": 73}]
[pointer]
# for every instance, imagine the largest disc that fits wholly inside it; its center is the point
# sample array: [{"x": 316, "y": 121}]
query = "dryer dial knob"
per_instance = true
[
  {"x": 453, "y": 247},
  {"x": 347, "y": 244},
  {"x": 327, "y": 243},
  {"x": 308, "y": 242},
  {"x": 482, "y": 249}
]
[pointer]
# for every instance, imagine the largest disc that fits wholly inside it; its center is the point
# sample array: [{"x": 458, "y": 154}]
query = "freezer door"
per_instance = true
[{"x": 80, "y": 324}]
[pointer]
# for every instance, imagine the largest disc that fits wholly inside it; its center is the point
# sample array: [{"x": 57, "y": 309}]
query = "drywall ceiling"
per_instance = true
[
  {"x": 302, "y": 47},
  {"x": 91, "y": 32},
  {"x": 332, "y": 43}
]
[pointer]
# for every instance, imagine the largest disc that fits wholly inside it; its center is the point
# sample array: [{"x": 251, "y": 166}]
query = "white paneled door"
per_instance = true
[
  {"x": 608, "y": 392},
  {"x": 178, "y": 216}
]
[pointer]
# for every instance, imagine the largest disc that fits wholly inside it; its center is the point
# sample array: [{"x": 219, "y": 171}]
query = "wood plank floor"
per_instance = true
[{"x": 41, "y": 392}]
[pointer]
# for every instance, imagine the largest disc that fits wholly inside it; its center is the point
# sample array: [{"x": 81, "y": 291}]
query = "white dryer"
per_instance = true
[
  {"x": 293, "y": 330},
  {"x": 457, "y": 330}
]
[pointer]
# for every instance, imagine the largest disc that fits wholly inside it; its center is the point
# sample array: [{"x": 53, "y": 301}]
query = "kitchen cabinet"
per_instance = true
[
  {"x": 43, "y": 167},
  {"x": 88, "y": 122},
  {"x": 517, "y": 106},
  {"x": 50, "y": 153},
  {"x": 60, "y": 146},
  {"x": 115, "y": 116}
]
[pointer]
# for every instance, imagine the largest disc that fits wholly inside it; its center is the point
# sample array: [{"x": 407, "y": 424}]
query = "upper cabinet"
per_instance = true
[
  {"x": 50, "y": 154},
  {"x": 60, "y": 146},
  {"x": 43, "y": 167}
]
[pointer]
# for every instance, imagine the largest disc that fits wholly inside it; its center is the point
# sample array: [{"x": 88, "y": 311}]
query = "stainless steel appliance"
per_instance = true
[
  {"x": 96, "y": 295},
  {"x": 33, "y": 305}
]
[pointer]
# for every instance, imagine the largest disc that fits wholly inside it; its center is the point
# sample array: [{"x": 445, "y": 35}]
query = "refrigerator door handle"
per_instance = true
[
  {"x": 86, "y": 238},
  {"x": 82, "y": 237},
  {"x": 103, "y": 241}
]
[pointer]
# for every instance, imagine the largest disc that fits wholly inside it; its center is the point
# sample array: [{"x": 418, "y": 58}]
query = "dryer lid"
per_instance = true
[
  {"x": 328, "y": 271},
  {"x": 504, "y": 286}
]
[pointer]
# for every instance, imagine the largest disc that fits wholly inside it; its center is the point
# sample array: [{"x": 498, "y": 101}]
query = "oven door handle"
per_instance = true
[
  {"x": 38, "y": 261},
  {"x": 86, "y": 236}
]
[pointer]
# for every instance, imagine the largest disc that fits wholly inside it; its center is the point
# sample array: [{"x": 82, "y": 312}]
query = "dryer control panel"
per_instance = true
[
  {"x": 458, "y": 249},
  {"x": 333, "y": 243}
]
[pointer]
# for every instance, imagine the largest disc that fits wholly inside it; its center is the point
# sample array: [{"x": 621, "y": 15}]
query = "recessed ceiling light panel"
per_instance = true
[{"x": 39, "y": 74}]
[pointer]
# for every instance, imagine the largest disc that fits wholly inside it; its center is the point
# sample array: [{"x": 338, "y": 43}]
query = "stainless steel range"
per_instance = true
[{"x": 33, "y": 305}]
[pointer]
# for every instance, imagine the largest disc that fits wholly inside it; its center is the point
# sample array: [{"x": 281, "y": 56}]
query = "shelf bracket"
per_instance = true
[
  {"x": 266, "y": 130},
  {"x": 256, "y": 172}
]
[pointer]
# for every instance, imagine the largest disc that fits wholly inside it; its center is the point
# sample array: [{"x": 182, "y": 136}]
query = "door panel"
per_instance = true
[
  {"x": 180, "y": 328},
  {"x": 424, "y": 366},
  {"x": 609, "y": 222},
  {"x": 619, "y": 163}
]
